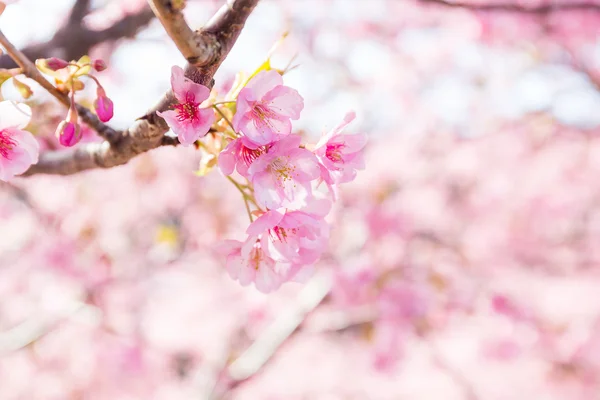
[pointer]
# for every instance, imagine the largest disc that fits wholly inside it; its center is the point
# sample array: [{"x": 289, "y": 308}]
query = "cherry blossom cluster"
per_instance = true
[
  {"x": 277, "y": 175},
  {"x": 19, "y": 149},
  {"x": 67, "y": 76}
]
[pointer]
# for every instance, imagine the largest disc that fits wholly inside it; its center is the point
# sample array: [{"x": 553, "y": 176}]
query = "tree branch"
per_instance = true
[
  {"x": 30, "y": 70},
  {"x": 71, "y": 42},
  {"x": 80, "y": 9},
  {"x": 148, "y": 131},
  {"x": 541, "y": 9},
  {"x": 196, "y": 48}
]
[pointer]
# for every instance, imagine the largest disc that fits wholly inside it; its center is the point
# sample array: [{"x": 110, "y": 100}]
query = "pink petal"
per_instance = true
[
  {"x": 227, "y": 158},
  {"x": 263, "y": 132},
  {"x": 263, "y": 82},
  {"x": 267, "y": 191},
  {"x": 204, "y": 122},
  {"x": 285, "y": 101},
  {"x": 268, "y": 220},
  {"x": 183, "y": 129},
  {"x": 242, "y": 106}
]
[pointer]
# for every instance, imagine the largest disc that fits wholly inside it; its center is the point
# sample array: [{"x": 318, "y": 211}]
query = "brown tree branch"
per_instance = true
[
  {"x": 194, "y": 47},
  {"x": 568, "y": 5},
  {"x": 72, "y": 41},
  {"x": 148, "y": 131},
  {"x": 80, "y": 9},
  {"x": 30, "y": 70}
]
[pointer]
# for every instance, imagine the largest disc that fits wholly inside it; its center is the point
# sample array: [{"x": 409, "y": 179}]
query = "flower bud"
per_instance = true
[
  {"x": 55, "y": 64},
  {"x": 99, "y": 65},
  {"x": 69, "y": 131},
  {"x": 103, "y": 105}
]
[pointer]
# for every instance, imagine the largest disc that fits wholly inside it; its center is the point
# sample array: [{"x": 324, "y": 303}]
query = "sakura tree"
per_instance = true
[{"x": 242, "y": 238}]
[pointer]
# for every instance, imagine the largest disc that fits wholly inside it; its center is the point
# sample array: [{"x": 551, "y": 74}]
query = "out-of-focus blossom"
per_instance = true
[{"x": 293, "y": 236}]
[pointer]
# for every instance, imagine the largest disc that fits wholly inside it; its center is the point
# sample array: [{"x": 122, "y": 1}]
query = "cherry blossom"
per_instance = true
[
  {"x": 265, "y": 107},
  {"x": 293, "y": 236},
  {"x": 188, "y": 120},
  {"x": 18, "y": 148},
  {"x": 282, "y": 176},
  {"x": 249, "y": 262},
  {"x": 238, "y": 157},
  {"x": 341, "y": 154}
]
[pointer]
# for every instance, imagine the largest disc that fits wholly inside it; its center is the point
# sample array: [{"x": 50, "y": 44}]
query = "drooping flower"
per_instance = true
[
  {"x": 282, "y": 176},
  {"x": 103, "y": 105},
  {"x": 188, "y": 120},
  {"x": 265, "y": 107},
  {"x": 18, "y": 148},
  {"x": 340, "y": 154},
  {"x": 296, "y": 237},
  {"x": 248, "y": 262},
  {"x": 238, "y": 157}
]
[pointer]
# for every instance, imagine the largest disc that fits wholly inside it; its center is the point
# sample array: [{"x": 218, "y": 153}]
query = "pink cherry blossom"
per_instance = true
[
  {"x": 238, "y": 157},
  {"x": 293, "y": 236},
  {"x": 188, "y": 120},
  {"x": 18, "y": 148},
  {"x": 340, "y": 154},
  {"x": 265, "y": 107},
  {"x": 248, "y": 262},
  {"x": 282, "y": 176}
]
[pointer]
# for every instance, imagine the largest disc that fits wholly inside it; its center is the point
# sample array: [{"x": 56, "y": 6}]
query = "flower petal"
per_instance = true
[
  {"x": 14, "y": 115},
  {"x": 285, "y": 101}
]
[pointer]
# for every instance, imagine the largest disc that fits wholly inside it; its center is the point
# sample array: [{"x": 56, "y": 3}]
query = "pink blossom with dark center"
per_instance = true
[
  {"x": 188, "y": 120},
  {"x": 340, "y": 155},
  {"x": 237, "y": 156},
  {"x": 265, "y": 107},
  {"x": 18, "y": 148}
]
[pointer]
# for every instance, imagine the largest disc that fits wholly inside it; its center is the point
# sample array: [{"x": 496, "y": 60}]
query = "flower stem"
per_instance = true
[
  {"x": 245, "y": 196},
  {"x": 224, "y": 117}
]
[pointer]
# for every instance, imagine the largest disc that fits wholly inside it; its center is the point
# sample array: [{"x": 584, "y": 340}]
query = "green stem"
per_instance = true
[
  {"x": 224, "y": 117},
  {"x": 245, "y": 196}
]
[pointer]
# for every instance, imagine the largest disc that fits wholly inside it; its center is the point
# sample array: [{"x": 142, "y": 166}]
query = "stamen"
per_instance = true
[{"x": 7, "y": 144}]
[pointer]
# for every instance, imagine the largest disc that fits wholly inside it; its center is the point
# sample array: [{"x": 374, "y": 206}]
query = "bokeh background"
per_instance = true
[{"x": 464, "y": 261}]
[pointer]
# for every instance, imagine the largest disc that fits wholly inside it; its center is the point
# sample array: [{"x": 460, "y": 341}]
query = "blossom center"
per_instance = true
[
  {"x": 334, "y": 152},
  {"x": 250, "y": 155},
  {"x": 280, "y": 234},
  {"x": 256, "y": 255},
  {"x": 262, "y": 112},
  {"x": 188, "y": 111},
  {"x": 282, "y": 168},
  {"x": 7, "y": 144}
]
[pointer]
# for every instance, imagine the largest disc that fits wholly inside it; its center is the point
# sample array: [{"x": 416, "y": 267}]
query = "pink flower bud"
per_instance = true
[
  {"x": 103, "y": 105},
  {"x": 68, "y": 133},
  {"x": 55, "y": 64},
  {"x": 99, "y": 65}
]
